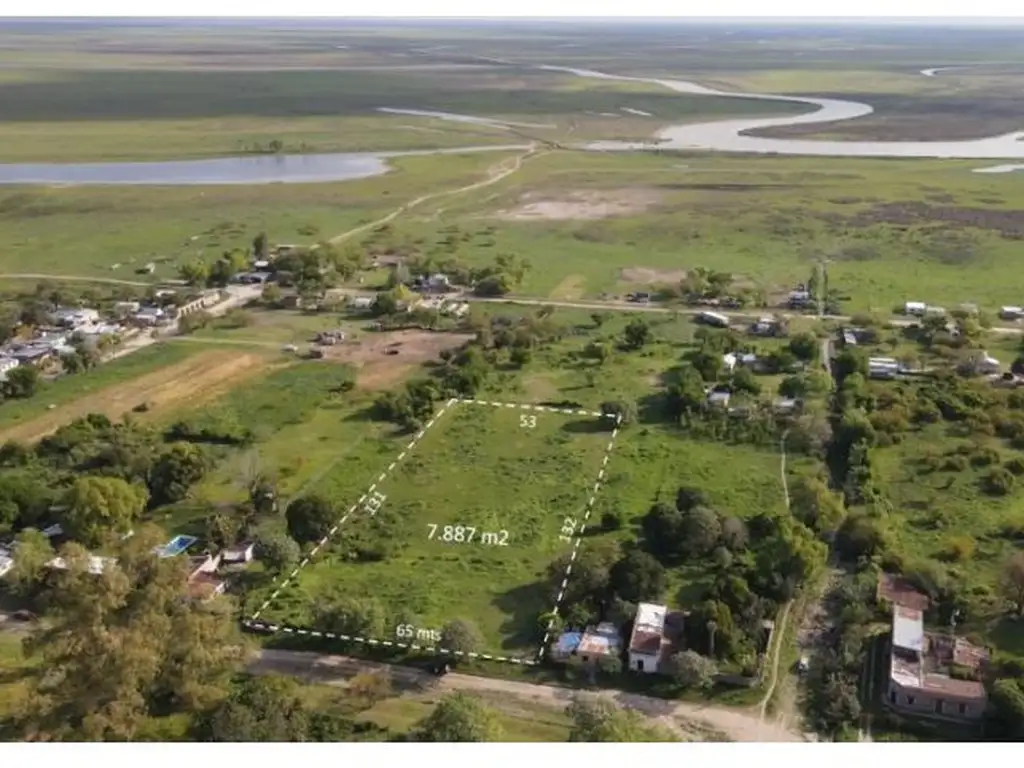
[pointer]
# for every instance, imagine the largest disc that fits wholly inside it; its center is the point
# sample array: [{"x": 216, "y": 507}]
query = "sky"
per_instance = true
[{"x": 930, "y": 9}]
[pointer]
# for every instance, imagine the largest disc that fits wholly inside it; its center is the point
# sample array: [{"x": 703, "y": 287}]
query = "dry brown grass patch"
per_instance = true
[
  {"x": 195, "y": 380},
  {"x": 581, "y": 204}
]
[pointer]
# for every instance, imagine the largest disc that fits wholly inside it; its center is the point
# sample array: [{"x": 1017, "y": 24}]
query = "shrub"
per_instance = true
[
  {"x": 959, "y": 548},
  {"x": 998, "y": 482},
  {"x": 956, "y": 463},
  {"x": 1015, "y": 465},
  {"x": 985, "y": 457}
]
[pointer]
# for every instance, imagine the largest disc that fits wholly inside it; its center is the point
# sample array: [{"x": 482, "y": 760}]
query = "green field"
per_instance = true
[
  {"x": 67, "y": 389},
  {"x": 477, "y": 468}
]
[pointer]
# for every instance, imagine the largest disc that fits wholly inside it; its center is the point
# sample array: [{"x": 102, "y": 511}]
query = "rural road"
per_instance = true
[
  {"x": 736, "y": 725},
  {"x": 495, "y": 173},
  {"x": 625, "y": 306}
]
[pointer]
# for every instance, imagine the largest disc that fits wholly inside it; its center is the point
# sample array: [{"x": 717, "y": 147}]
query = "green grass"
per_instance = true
[
  {"x": 149, "y": 114},
  {"x": 891, "y": 230},
  {"x": 934, "y": 508},
  {"x": 67, "y": 389},
  {"x": 476, "y": 467}
]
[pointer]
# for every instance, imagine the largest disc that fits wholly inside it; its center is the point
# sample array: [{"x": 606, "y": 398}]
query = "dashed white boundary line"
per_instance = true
[
  {"x": 255, "y": 624},
  {"x": 579, "y": 535}
]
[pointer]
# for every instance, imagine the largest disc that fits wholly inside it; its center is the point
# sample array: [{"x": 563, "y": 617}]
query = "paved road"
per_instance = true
[{"x": 734, "y": 724}]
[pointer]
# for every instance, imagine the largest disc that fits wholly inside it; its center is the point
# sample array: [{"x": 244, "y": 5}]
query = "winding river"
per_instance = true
[
  {"x": 718, "y": 136},
  {"x": 732, "y": 135}
]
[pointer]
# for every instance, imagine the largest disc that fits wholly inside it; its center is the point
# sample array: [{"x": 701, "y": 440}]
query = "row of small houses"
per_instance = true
[
  {"x": 208, "y": 573},
  {"x": 657, "y": 634}
]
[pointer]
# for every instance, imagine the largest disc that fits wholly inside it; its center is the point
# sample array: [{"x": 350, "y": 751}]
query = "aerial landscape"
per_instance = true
[{"x": 519, "y": 381}]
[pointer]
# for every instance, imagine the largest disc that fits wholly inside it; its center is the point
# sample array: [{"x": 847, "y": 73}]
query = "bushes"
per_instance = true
[{"x": 998, "y": 482}]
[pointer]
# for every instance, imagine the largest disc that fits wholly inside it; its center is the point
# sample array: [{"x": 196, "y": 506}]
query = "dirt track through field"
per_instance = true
[{"x": 192, "y": 381}]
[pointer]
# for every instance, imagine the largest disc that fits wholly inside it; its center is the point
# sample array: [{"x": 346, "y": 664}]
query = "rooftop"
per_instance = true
[
  {"x": 603, "y": 639},
  {"x": 907, "y": 628},
  {"x": 648, "y": 629}
]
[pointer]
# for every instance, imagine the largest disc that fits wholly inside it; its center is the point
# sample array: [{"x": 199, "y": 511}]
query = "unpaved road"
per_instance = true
[
  {"x": 495, "y": 174},
  {"x": 735, "y": 725}
]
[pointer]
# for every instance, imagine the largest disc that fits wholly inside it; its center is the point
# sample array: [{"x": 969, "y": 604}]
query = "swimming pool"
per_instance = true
[{"x": 176, "y": 546}]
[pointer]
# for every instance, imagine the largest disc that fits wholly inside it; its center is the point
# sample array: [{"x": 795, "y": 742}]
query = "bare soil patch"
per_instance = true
[
  {"x": 198, "y": 379},
  {"x": 570, "y": 288},
  {"x": 650, "y": 276},
  {"x": 583, "y": 204},
  {"x": 379, "y": 370}
]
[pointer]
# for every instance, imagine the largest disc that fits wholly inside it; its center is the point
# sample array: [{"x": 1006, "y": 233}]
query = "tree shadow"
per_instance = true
[
  {"x": 524, "y": 604},
  {"x": 590, "y": 426}
]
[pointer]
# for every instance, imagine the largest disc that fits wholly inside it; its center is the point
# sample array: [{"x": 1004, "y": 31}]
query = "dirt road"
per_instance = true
[
  {"x": 495, "y": 173},
  {"x": 735, "y": 725}
]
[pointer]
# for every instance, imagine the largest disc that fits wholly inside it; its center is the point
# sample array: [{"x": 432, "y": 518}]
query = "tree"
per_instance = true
[
  {"x": 701, "y": 531},
  {"x": 193, "y": 322},
  {"x": 600, "y": 720},
  {"x": 815, "y": 505},
  {"x": 196, "y": 272},
  {"x": 175, "y": 471},
  {"x": 1012, "y": 583},
  {"x": 637, "y": 577},
  {"x": 637, "y": 333},
  {"x": 98, "y": 506},
  {"x": 277, "y": 551},
  {"x": 685, "y": 391},
  {"x": 259, "y": 709},
  {"x": 848, "y": 362},
  {"x": 520, "y": 356},
  {"x": 743, "y": 380},
  {"x": 494, "y": 285},
  {"x": 368, "y": 688},
  {"x": 461, "y": 635},
  {"x": 459, "y": 717},
  {"x": 663, "y": 531},
  {"x": 310, "y": 518},
  {"x": 1007, "y": 709},
  {"x": 692, "y": 670},
  {"x": 23, "y": 381},
  {"x": 707, "y": 362},
  {"x": 271, "y": 294},
  {"x": 124, "y": 644},
  {"x": 734, "y": 534},
  {"x": 804, "y": 346},
  {"x": 619, "y": 412},
  {"x": 354, "y": 616},
  {"x": 591, "y": 572},
  {"x": 259, "y": 246},
  {"x": 32, "y": 551}
]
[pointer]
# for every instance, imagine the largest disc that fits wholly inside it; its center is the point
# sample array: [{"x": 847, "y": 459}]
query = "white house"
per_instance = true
[
  {"x": 361, "y": 302},
  {"x": 149, "y": 316},
  {"x": 1011, "y": 313},
  {"x": 645, "y": 643},
  {"x": 729, "y": 361},
  {"x": 917, "y": 308},
  {"x": 986, "y": 364},
  {"x": 240, "y": 553},
  {"x": 882, "y": 368},
  {"x": 6, "y": 561}
]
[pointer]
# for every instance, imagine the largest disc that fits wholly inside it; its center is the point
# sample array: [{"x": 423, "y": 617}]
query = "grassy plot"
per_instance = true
[
  {"x": 95, "y": 387},
  {"x": 89, "y": 231},
  {"x": 481, "y": 468},
  {"x": 889, "y": 230}
]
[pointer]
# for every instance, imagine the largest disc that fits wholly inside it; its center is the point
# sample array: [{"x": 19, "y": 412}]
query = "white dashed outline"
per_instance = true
[
  {"x": 255, "y": 624},
  {"x": 579, "y": 534}
]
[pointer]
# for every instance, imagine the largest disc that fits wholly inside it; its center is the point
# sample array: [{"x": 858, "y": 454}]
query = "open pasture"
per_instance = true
[{"x": 460, "y": 526}]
